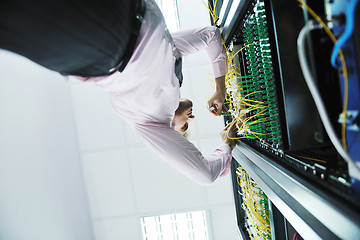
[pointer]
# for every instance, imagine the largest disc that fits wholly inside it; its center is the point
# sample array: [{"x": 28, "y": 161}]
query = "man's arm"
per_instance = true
[
  {"x": 209, "y": 39},
  {"x": 181, "y": 154},
  {"x": 216, "y": 101}
]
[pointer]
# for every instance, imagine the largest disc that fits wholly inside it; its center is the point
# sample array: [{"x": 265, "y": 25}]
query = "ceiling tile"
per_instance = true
[{"x": 109, "y": 184}]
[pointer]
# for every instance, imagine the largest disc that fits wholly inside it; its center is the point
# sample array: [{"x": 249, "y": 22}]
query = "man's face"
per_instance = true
[{"x": 183, "y": 116}]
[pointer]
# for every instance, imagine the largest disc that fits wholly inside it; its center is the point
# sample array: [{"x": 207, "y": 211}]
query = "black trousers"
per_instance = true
[{"x": 72, "y": 37}]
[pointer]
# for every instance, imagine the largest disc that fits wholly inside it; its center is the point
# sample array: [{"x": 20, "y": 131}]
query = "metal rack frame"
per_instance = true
[{"x": 315, "y": 213}]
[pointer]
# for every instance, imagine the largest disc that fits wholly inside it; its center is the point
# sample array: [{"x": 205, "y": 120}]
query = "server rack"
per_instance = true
[{"x": 311, "y": 188}]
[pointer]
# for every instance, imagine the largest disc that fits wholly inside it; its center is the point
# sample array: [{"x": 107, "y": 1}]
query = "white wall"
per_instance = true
[{"x": 42, "y": 195}]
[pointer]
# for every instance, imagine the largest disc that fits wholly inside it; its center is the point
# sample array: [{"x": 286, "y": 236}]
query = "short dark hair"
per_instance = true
[{"x": 184, "y": 104}]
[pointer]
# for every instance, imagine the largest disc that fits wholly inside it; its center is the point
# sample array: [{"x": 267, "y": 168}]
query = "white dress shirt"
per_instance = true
[{"x": 146, "y": 94}]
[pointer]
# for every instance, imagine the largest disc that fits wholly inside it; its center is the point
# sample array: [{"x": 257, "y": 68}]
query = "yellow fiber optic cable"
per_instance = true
[
  {"x": 249, "y": 100},
  {"x": 212, "y": 11},
  {"x": 309, "y": 158},
  {"x": 258, "y": 222},
  {"x": 251, "y": 93},
  {"x": 253, "y": 116},
  {"x": 242, "y": 101},
  {"x": 344, "y": 69},
  {"x": 261, "y": 140},
  {"x": 227, "y": 132},
  {"x": 241, "y": 50},
  {"x": 256, "y": 133}
]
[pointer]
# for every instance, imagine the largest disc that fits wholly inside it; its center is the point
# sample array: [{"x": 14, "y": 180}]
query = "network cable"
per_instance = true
[
  {"x": 341, "y": 55},
  {"x": 256, "y": 206},
  {"x": 349, "y": 28},
  {"x": 317, "y": 98},
  {"x": 251, "y": 105}
]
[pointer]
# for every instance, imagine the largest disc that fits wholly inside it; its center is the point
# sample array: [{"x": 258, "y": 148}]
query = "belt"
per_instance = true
[{"x": 139, "y": 9}]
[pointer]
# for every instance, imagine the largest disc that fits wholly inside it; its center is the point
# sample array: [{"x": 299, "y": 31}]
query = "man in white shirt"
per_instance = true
[
  {"x": 147, "y": 94},
  {"x": 82, "y": 39}
]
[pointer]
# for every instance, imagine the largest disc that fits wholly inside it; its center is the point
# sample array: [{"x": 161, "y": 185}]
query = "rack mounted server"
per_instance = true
[{"x": 285, "y": 143}]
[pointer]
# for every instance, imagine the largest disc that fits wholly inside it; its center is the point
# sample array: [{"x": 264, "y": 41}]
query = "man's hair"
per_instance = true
[{"x": 183, "y": 105}]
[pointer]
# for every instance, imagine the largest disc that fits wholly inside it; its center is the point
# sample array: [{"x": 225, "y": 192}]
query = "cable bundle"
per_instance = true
[
  {"x": 255, "y": 205},
  {"x": 252, "y": 98}
]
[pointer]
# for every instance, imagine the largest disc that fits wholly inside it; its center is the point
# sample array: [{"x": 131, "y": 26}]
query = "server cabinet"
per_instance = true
[{"x": 284, "y": 143}]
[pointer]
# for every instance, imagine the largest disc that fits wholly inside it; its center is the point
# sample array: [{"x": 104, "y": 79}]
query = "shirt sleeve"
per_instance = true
[
  {"x": 181, "y": 154},
  {"x": 208, "y": 38}
]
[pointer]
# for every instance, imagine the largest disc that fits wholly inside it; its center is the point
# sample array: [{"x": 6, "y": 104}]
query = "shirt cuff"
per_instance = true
[
  {"x": 226, "y": 148},
  {"x": 219, "y": 69}
]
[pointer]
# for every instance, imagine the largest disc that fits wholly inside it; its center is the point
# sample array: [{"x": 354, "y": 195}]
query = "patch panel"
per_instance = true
[{"x": 258, "y": 111}]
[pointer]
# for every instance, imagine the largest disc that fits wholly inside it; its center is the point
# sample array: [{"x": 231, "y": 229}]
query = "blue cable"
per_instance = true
[{"x": 349, "y": 28}]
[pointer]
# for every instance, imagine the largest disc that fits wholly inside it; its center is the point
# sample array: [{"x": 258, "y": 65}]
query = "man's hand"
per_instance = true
[
  {"x": 216, "y": 102},
  {"x": 229, "y": 133}
]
